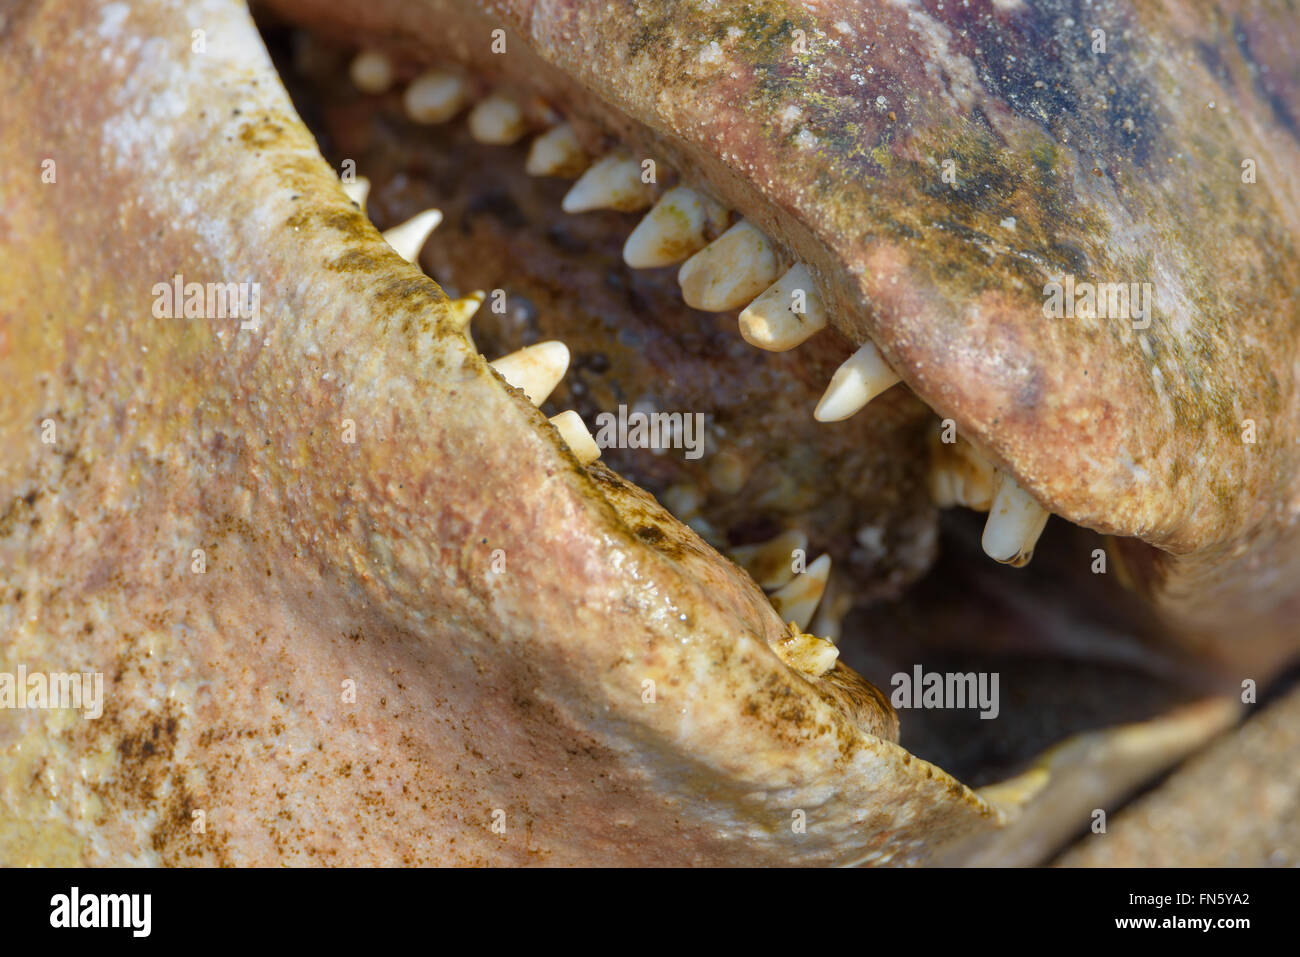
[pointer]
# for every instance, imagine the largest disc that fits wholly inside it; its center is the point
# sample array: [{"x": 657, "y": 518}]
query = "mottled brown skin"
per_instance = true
[
  {"x": 373, "y": 559},
  {"x": 634, "y": 339},
  {"x": 477, "y": 690}
]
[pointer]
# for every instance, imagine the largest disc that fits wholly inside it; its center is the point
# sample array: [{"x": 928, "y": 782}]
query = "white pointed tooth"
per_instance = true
[
  {"x": 798, "y": 600},
  {"x": 771, "y": 563},
  {"x": 730, "y": 271},
  {"x": 680, "y": 225},
  {"x": 371, "y": 72},
  {"x": 434, "y": 97},
  {"x": 576, "y": 436},
  {"x": 358, "y": 191},
  {"x": 860, "y": 378},
  {"x": 612, "y": 182},
  {"x": 786, "y": 314},
  {"x": 497, "y": 120},
  {"x": 537, "y": 369},
  {"x": 407, "y": 239},
  {"x": 1015, "y": 521},
  {"x": 556, "y": 152}
]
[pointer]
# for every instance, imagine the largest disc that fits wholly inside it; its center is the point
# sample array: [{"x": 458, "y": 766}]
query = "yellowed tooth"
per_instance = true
[
  {"x": 857, "y": 381},
  {"x": 497, "y": 120},
  {"x": 798, "y": 600},
  {"x": 681, "y": 224},
  {"x": 536, "y": 370},
  {"x": 575, "y": 434},
  {"x": 960, "y": 475},
  {"x": 771, "y": 321},
  {"x": 771, "y": 563},
  {"x": 463, "y": 309},
  {"x": 371, "y": 72},
  {"x": 407, "y": 239},
  {"x": 729, "y": 471},
  {"x": 358, "y": 191},
  {"x": 434, "y": 97},
  {"x": 556, "y": 152},
  {"x": 730, "y": 271},
  {"x": 1015, "y": 521},
  {"x": 612, "y": 182},
  {"x": 807, "y": 654}
]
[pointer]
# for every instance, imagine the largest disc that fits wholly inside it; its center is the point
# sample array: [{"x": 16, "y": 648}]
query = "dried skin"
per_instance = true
[{"x": 523, "y": 692}]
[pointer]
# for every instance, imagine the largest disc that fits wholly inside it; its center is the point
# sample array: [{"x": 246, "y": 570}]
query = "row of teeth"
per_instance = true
[
  {"x": 724, "y": 266},
  {"x": 534, "y": 370}
]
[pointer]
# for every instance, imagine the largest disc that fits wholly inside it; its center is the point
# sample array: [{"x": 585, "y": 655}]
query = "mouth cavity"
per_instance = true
[{"x": 610, "y": 275}]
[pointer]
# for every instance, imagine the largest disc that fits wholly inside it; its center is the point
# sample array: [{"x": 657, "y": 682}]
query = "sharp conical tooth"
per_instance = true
[
  {"x": 612, "y": 182},
  {"x": 535, "y": 369},
  {"x": 771, "y": 562},
  {"x": 574, "y": 432},
  {"x": 730, "y": 271},
  {"x": 358, "y": 191},
  {"x": 861, "y": 378},
  {"x": 462, "y": 311},
  {"x": 556, "y": 153},
  {"x": 681, "y": 224},
  {"x": 807, "y": 654},
  {"x": 771, "y": 321},
  {"x": 497, "y": 120},
  {"x": 407, "y": 239},
  {"x": 960, "y": 475},
  {"x": 371, "y": 72},
  {"x": 798, "y": 600},
  {"x": 1015, "y": 521},
  {"x": 434, "y": 97}
]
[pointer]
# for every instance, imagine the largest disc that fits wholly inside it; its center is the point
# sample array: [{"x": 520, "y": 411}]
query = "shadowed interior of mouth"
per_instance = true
[{"x": 909, "y": 585}]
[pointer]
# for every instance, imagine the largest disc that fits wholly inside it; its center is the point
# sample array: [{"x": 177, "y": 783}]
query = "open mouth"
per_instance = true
[
  {"x": 619, "y": 292},
  {"x": 781, "y": 542}
]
